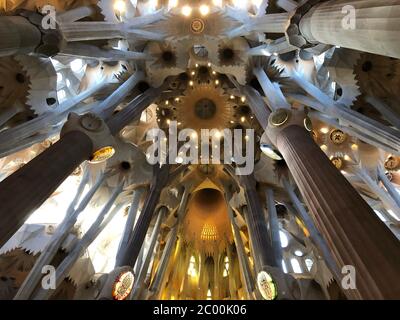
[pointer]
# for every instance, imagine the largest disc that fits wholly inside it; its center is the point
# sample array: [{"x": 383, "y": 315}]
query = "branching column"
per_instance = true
[
  {"x": 355, "y": 235},
  {"x": 24, "y": 191}
]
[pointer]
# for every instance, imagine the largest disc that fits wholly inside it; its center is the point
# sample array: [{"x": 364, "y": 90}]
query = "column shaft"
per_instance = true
[
  {"x": 17, "y": 36},
  {"x": 354, "y": 233},
  {"x": 243, "y": 259},
  {"x": 130, "y": 223},
  {"x": 24, "y": 191},
  {"x": 376, "y": 25},
  {"x": 150, "y": 253},
  {"x": 274, "y": 225},
  {"x": 162, "y": 267},
  {"x": 139, "y": 233},
  {"x": 257, "y": 226}
]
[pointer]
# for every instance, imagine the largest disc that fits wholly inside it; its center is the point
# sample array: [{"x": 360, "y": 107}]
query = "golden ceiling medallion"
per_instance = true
[
  {"x": 204, "y": 106},
  {"x": 102, "y": 155},
  {"x": 337, "y": 162},
  {"x": 392, "y": 163},
  {"x": 279, "y": 117},
  {"x": 337, "y": 136},
  {"x": 123, "y": 286},
  {"x": 197, "y": 26},
  {"x": 267, "y": 286}
]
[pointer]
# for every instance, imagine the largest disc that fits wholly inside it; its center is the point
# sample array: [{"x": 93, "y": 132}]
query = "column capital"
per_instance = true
[
  {"x": 283, "y": 118},
  {"x": 293, "y": 32},
  {"x": 96, "y": 130},
  {"x": 50, "y": 39}
]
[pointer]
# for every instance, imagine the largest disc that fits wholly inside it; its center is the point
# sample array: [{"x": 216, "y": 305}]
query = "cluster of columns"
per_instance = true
[
  {"x": 25, "y": 190},
  {"x": 354, "y": 234}
]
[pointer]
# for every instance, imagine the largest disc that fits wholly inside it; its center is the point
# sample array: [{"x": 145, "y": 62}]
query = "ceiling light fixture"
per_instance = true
[
  {"x": 204, "y": 10},
  {"x": 186, "y": 11}
]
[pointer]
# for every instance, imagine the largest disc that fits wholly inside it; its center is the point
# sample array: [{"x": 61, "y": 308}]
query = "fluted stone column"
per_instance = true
[
  {"x": 273, "y": 224},
  {"x": 389, "y": 186},
  {"x": 315, "y": 235},
  {"x": 59, "y": 236},
  {"x": 135, "y": 243},
  {"x": 162, "y": 267},
  {"x": 261, "y": 244},
  {"x": 243, "y": 259},
  {"x": 150, "y": 253},
  {"x": 355, "y": 235},
  {"x": 25, "y": 190},
  {"x": 130, "y": 222},
  {"x": 263, "y": 252},
  {"x": 103, "y": 219},
  {"x": 377, "y": 25},
  {"x": 18, "y": 36}
]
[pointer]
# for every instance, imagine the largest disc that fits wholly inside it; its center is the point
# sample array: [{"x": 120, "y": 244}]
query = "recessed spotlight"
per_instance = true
[
  {"x": 120, "y": 6},
  {"x": 186, "y": 11},
  {"x": 204, "y": 10}
]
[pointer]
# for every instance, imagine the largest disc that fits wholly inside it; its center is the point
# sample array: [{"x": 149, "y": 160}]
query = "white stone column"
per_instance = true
[
  {"x": 376, "y": 25},
  {"x": 61, "y": 233},
  {"x": 150, "y": 254},
  {"x": 164, "y": 261},
  {"x": 18, "y": 36},
  {"x": 243, "y": 259},
  {"x": 130, "y": 223},
  {"x": 103, "y": 219}
]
